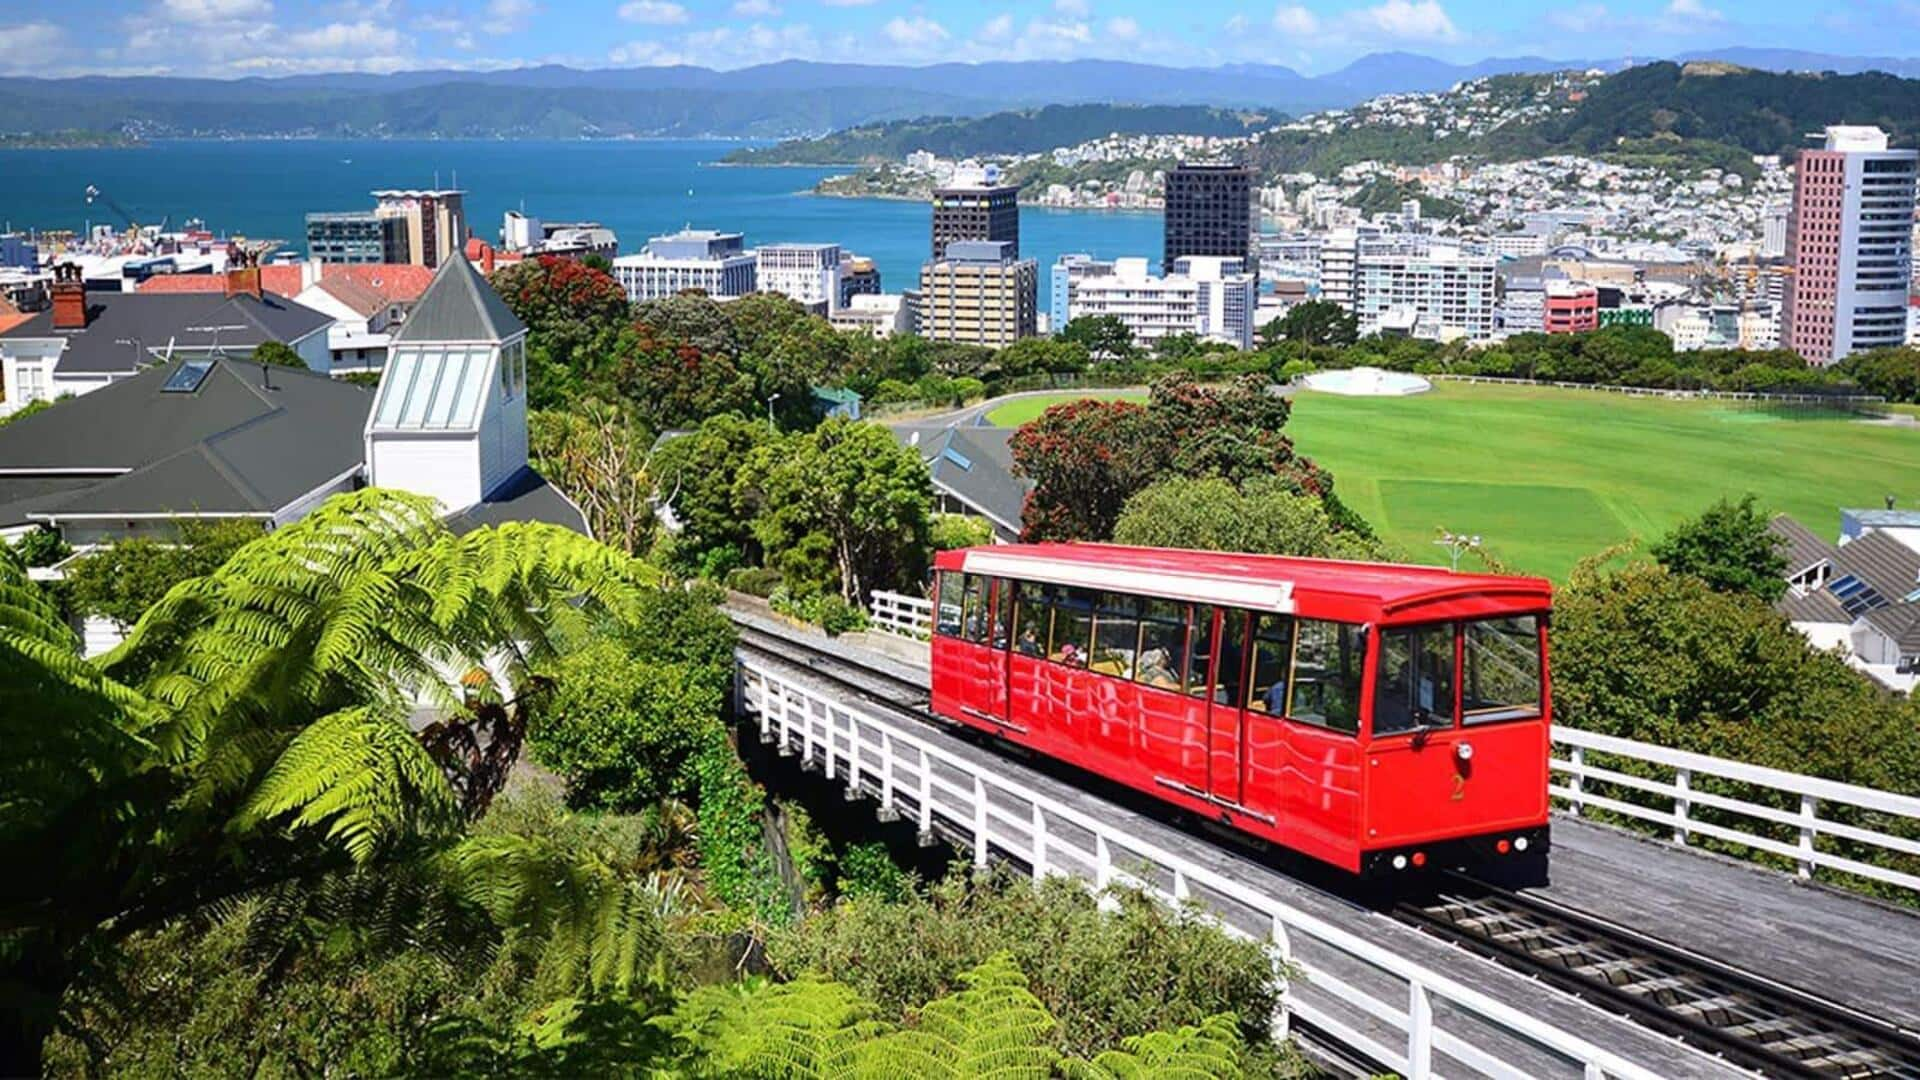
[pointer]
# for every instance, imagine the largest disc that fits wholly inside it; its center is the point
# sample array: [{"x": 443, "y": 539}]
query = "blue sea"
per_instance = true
[{"x": 639, "y": 189}]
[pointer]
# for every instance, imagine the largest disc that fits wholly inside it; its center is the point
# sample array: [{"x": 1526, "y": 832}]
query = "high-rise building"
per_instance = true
[
  {"x": 975, "y": 205},
  {"x": 715, "y": 263},
  {"x": 1773, "y": 241},
  {"x": 1435, "y": 292},
  {"x": 1067, "y": 272},
  {"x": 356, "y": 237},
  {"x": 1850, "y": 242},
  {"x": 1211, "y": 210},
  {"x": 1209, "y": 297},
  {"x": 980, "y": 294},
  {"x": 808, "y": 273},
  {"x": 433, "y": 220},
  {"x": 858, "y": 277}
]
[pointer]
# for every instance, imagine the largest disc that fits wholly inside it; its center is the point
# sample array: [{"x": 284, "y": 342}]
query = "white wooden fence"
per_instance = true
[
  {"x": 1386, "y": 1006},
  {"x": 1681, "y": 797},
  {"x": 911, "y": 617},
  {"x": 1674, "y": 392},
  {"x": 897, "y": 613}
]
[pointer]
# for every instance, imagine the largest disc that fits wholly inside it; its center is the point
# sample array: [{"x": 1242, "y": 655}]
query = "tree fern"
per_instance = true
[
  {"x": 803, "y": 1029},
  {"x": 993, "y": 1028},
  {"x": 1209, "y": 1051}
]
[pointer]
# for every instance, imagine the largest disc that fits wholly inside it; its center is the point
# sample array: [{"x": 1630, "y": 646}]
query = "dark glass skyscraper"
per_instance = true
[
  {"x": 1210, "y": 211},
  {"x": 976, "y": 211}
]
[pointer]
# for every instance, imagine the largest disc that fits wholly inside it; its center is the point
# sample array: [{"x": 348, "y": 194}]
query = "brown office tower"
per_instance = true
[
  {"x": 1210, "y": 210},
  {"x": 976, "y": 207}
]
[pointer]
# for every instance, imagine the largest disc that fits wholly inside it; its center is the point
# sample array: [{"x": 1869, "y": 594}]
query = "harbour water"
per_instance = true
[{"x": 265, "y": 188}]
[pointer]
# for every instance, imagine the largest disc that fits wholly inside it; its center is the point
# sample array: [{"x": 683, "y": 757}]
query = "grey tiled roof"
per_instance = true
[
  {"x": 1799, "y": 545},
  {"x": 1880, "y": 560},
  {"x": 1900, "y": 622},
  {"x": 526, "y": 496},
  {"x": 243, "y": 442},
  {"x": 1813, "y": 607},
  {"x": 459, "y": 306},
  {"x": 126, "y": 330},
  {"x": 974, "y": 465}
]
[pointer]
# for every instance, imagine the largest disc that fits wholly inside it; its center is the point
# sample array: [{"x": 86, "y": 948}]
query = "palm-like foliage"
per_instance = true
[
  {"x": 254, "y": 730},
  {"x": 1208, "y": 1051}
]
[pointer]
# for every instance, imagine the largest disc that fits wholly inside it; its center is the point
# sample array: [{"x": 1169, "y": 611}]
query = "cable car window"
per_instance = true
[
  {"x": 952, "y": 589},
  {"x": 1116, "y": 635},
  {"x": 1032, "y": 619},
  {"x": 1200, "y": 652},
  {"x": 1233, "y": 657},
  {"x": 1415, "y": 688},
  {"x": 1002, "y": 611},
  {"x": 1072, "y": 627},
  {"x": 1500, "y": 670},
  {"x": 1328, "y": 660},
  {"x": 1163, "y": 633},
  {"x": 973, "y": 625},
  {"x": 1272, "y": 664}
]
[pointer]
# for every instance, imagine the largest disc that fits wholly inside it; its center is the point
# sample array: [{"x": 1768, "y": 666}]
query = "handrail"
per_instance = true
[
  {"x": 1682, "y": 797},
  {"x": 876, "y": 755},
  {"x": 902, "y": 615}
]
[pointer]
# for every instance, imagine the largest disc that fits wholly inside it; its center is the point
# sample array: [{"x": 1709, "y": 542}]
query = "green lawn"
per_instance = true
[
  {"x": 1548, "y": 476},
  {"x": 1025, "y": 409}
]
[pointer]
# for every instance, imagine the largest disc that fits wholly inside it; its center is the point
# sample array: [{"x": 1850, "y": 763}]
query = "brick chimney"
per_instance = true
[
  {"x": 69, "y": 298},
  {"x": 243, "y": 276}
]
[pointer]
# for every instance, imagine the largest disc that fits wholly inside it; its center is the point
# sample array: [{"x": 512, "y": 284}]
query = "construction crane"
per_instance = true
[{"x": 133, "y": 227}]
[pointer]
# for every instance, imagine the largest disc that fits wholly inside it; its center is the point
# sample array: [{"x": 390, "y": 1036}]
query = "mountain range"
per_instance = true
[{"x": 774, "y": 100}]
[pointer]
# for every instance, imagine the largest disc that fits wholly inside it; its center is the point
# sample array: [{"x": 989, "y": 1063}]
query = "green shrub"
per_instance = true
[
  {"x": 621, "y": 730},
  {"x": 758, "y": 581}
]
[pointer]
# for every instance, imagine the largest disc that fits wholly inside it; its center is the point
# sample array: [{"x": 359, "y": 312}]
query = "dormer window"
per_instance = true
[{"x": 432, "y": 388}]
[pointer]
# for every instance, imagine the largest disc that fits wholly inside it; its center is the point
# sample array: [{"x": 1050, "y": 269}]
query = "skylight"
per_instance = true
[
  {"x": 187, "y": 377},
  {"x": 432, "y": 389},
  {"x": 1856, "y": 596}
]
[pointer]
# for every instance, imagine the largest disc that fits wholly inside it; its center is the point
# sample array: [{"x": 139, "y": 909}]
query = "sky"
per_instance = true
[{"x": 226, "y": 38}]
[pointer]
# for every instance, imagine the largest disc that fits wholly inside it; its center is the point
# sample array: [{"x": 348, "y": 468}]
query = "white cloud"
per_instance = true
[
  {"x": 752, "y": 9},
  {"x": 1053, "y": 37},
  {"x": 27, "y": 46},
  {"x": 213, "y": 11},
  {"x": 653, "y": 12},
  {"x": 998, "y": 28},
  {"x": 1296, "y": 20},
  {"x": 1074, "y": 8},
  {"x": 1692, "y": 11},
  {"x": 914, "y": 31},
  {"x": 1123, "y": 28},
  {"x": 507, "y": 16},
  {"x": 645, "y": 54},
  {"x": 847, "y": 3},
  {"x": 1582, "y": 19},
  {"x": 361, "y": 38},
  {"x": 1412, "y": 20}
]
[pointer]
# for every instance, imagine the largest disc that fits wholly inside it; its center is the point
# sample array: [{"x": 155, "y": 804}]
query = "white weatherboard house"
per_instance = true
[{"x": 450, "y": 418}]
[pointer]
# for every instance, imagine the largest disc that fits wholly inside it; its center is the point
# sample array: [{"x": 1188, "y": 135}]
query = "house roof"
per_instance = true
[
  {"x": 1900, "y": 622},
  {"x": 365, "y": 300},
  {"x": 975, "y": 466},
  {"x": 244, "y": 442},
  {"x": 399, "y": 282},
  {"x": 283, "y": 278},
  {"x": 1813, "y": 607},
  {"x": 525, "y": 496},
  {"x": 1798, "y": 544},
  {"x": 459, "y": 306},
  {"x": 127, "y": 330},
  {"x": 1880, "y": 560}
]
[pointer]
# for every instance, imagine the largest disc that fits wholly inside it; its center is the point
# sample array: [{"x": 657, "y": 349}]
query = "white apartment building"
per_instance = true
[
  {"x": 1517, "y": 245},
  {"x": 715, "y": 263},
  {"x": 807, "y": 273},
  {"x": 1449, "y": 293},
  {"x": 1208, "y": 296},
  {"x": 881, "y": 315}
]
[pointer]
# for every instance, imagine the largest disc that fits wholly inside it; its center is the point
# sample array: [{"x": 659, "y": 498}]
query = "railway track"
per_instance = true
[
  {"x": 1746, "y": 1018},
  {"x": 1749, "y": 1020}
]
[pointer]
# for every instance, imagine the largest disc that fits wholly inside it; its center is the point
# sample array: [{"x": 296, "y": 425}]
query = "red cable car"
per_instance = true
[{"x": 1376, "y": 716}]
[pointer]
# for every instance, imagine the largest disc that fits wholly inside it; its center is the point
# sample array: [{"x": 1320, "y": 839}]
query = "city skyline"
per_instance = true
[{"x": 230, "y": 38}]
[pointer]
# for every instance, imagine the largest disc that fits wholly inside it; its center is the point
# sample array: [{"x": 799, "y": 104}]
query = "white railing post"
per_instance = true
[
  {"x": 1577, "y": 756},
  {"x": 1809, "y": 827},
  {"x": 853, "y": 754},
  {"x": 1419, "y": 1032},
  {"x": 1039, "y": 843},
  {"x": 926, "y": 794},
  {"x": 979, "y": 823},
  {"x": 1682, "y": 806},
  {"x": 886, "y": 773},
  {"x": 1283, "y": 961}
]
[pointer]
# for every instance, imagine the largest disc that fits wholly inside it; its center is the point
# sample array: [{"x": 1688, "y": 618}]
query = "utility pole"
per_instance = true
[{"x": 1457, "y": 545}]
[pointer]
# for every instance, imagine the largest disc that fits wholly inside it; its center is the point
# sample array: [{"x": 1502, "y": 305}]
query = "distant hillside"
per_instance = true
[{"x": 1025, "y": 132}]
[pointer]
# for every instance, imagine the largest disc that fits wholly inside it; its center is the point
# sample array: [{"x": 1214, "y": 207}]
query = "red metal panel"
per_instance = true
[{"x": 1420, "y": 793}]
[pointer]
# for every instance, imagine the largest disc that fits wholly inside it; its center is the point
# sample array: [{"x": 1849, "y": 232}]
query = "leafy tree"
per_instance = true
[
  {"x": 1211, "y": 514},
  {"x": 1892, "y": 373},
  {"x": 1728, "y": 547},
  {"x": 949, "y": 531},
  {"x": 1314, "y": 322},
  {"x": 41, "y": 546},
  {"x": 122, "y": 581},
  {"x": 621, "y": 730},
  {"x": 252, "y": 732},
  {"x": 278, "y": 353},
  {"x": 845, "y": 496},
  {"x": 694, "y": 476},
  {"x": 573, "y": 312},
  {"x": 787, "y": 351},
  {"x": 596, "y": 454},
  {"x": 1039, "y": 356},
  {"x": 1085, "y": 459},
  {"x": 673, "y": 381},
  {"x": 1103, "y": 337}
]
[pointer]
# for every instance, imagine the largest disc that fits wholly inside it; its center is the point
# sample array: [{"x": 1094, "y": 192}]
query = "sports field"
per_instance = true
[{"x": 1548, "y": 476}]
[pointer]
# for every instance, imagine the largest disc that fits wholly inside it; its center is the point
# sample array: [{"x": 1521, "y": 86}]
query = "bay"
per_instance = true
[{"x": 264, "y": 188}]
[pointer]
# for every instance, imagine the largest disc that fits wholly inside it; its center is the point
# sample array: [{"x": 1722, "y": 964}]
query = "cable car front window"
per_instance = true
[
  {"x": 1415, "y": 687},
  {"x": 1501, "y": 676},
  {"x": 952, "y": 589}
]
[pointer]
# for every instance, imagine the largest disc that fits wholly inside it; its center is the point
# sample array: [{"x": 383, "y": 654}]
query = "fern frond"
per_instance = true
[{"x": 1209, "y": 1051}]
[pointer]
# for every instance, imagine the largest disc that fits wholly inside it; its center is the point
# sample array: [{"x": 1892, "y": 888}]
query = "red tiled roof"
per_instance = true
[
  {"x": 8, "y": 322},
  {"x": 393, "y": 281}
]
